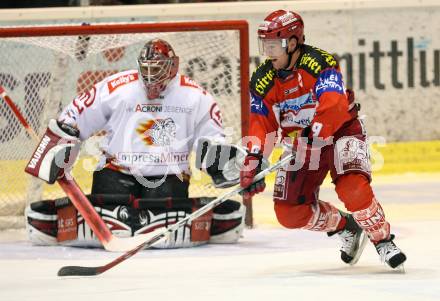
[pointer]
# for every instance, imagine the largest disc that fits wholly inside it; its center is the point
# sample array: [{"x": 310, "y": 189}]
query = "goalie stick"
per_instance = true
[
  {"x": 79, "y": 200},
  {"x": 159, "y": 234}
]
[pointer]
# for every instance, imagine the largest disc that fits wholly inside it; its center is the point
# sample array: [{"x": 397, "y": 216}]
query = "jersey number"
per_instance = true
[{"x": 316, "y": 128}]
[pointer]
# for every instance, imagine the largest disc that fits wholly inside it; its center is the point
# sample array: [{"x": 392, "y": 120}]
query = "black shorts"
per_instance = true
[{"x": 108, "y": 181}]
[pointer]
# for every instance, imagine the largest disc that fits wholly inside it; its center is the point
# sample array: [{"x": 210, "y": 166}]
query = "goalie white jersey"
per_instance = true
[{"x": 147, "y": 137}]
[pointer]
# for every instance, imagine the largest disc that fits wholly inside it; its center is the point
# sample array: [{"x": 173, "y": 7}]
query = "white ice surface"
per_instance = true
[{"x": 269, "y": 263}]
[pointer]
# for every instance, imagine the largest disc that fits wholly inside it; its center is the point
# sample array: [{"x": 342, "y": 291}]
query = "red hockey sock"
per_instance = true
[{"x": 342, "y": 223}]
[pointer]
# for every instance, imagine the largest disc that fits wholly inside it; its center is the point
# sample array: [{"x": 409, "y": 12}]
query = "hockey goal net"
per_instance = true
[{"x": 43, "y": 68}]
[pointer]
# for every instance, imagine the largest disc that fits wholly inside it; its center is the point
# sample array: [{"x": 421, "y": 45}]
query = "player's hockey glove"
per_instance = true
[
  {"x": 56, "y": 152},
  {"x": 251, "y": 167}
]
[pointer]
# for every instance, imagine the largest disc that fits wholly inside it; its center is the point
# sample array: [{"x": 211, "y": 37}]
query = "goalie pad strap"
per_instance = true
[{"x": 102, "y": 200}]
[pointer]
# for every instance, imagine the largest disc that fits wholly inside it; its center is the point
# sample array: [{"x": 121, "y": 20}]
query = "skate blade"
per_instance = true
[
  {"x": 400, "y": 269},
  {"x": 362, "y": 244}
]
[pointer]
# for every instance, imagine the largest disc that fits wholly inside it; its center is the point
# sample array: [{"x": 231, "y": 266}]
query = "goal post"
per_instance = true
[{"x": 44, "y": 67}]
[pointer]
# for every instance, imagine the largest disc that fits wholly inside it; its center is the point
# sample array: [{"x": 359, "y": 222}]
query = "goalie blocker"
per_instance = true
[
  {"x": 56, "y": 151},
  {"x": 54, "y": 222}
]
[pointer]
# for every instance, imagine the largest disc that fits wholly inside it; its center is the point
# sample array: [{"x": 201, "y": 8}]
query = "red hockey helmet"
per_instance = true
[
  {"x": 158, "y": 64},
  {"x": 276, "y": 30}
]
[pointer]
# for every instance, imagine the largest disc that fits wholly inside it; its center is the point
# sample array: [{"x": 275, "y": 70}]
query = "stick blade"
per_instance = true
[{"x": 79, "y": 271}]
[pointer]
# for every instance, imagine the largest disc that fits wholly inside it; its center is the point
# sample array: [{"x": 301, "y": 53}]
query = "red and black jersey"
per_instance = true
[{"x": 311, "y": 95}]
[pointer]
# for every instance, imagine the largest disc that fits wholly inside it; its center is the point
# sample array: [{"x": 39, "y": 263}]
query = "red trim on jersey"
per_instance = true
[
  {"x": 187, "y": 82},
  {"x": 216, "y": 114}
]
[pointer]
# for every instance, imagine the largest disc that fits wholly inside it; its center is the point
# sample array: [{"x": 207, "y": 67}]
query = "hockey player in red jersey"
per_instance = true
[
  {"x": 153, "y": 118},
  {"x": 299, "y": 90}
]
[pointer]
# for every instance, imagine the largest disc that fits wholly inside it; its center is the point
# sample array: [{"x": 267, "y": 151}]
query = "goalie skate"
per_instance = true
[
  {"x": 390, "y": 253},
  {"x": 353, "y": 240}
]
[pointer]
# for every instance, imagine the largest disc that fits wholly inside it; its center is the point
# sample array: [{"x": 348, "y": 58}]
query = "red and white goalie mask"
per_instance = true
[{"x": 158, "y": 64}]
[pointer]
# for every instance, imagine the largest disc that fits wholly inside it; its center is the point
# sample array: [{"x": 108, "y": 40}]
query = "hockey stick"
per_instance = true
[
  {"x": 80, "y": 201},
  {"x": 17, "y": 113},
  {"x": 160, "y": 234}
]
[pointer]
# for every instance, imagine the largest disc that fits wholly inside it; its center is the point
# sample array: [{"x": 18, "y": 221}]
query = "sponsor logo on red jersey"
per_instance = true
[
  {"x": 290, "y": 91},
  {"x": 258, "y": 106},
  {"x": 265, "y": 83},
  {"x": 121, "y": 80}
]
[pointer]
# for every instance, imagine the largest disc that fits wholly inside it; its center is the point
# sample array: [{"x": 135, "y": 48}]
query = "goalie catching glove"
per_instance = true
[
  {"x": 56, "y": 151},
  {"x": 224, "y": 162}
]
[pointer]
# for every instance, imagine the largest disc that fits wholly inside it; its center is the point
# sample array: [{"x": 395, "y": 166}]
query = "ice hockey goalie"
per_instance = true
[{"x": 153, "y": 119}]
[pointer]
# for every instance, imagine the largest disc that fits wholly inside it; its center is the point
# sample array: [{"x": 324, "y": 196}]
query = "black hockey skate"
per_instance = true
[
  {"x": 353, "y": 240},
  {"x": 390, "y": 253}
]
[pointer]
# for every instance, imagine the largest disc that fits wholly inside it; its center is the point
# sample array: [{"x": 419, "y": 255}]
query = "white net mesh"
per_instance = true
[{"x": 43, "y": 74}]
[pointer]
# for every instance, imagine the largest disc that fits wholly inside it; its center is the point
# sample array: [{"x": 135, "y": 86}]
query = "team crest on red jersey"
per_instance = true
[{"x": 157, "y": 132}]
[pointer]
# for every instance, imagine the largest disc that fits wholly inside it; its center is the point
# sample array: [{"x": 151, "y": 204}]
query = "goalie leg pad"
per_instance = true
[
  {"x": 227, "y": 222},
  {"x": 161, "y": 213},
  {"x": 52, "y": 222},
  {"x": 127, "y": 216},
  {"x": 41, "y": 223},
  {"x": 58, "y": 222}
]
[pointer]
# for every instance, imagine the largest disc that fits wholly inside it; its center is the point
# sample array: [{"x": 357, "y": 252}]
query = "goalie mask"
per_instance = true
[{"x": 157, "y": 64}]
